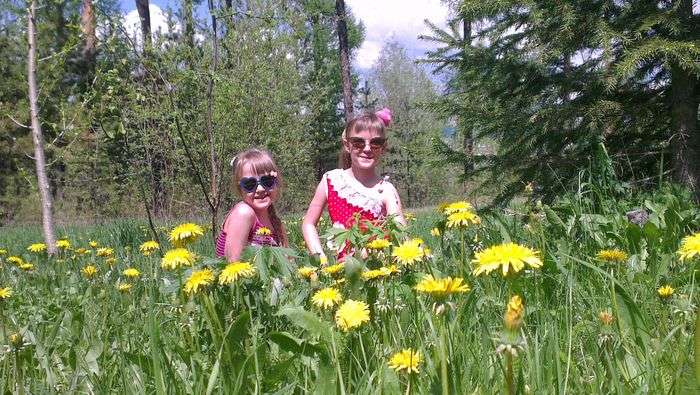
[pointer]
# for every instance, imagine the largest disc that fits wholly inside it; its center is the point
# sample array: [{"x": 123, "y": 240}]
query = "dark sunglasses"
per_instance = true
[
  {"x": 250, "y": 184},
  {"x": 359, "y": 143}
]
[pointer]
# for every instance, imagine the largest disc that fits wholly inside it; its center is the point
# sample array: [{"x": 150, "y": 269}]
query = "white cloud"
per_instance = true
[
  {"x": 159, "y": 23},
  {"x": 401, "y": 20}
]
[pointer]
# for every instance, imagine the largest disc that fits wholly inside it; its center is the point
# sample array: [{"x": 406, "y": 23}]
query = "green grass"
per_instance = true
[{"x": 83, "y": 335}]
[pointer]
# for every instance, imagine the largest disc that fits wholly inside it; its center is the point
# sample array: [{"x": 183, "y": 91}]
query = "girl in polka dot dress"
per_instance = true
[{"x": 356, "y": 188}]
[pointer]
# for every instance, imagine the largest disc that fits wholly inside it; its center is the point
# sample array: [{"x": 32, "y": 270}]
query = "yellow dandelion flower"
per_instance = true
[
  {"x": 124, "y": 287},
  {"x": 509, "y": 257},
  {"x": 606, "y": 318},
  {"x": 177, "y": 258},
  {"x": 391, "y": 269},
  {"x": 513, "y": 317},
  {"x": 104, "y": 252},
  {"x": 379, "y": 244},
  {"x": 665, "y": 292},
  {"x": 184, "y": 234},
  {"x": 111, "y": 261},
  {"x": 306, "y": 272},
  {"x": 407, "y": 360},
  {"x": 373, "y": 274},
  {"x": 3, "y": 251},
  {"x": 235, "y": 270},
  {"x": 333, "y": 269},
  {"x": 690, "y": 247},
  {"x": 409, "y": 217},
  {"x": 351, "y": 314},
  {"x": 131, "y": 272},
  {"x": 462, "y": 219},
  {"x": 198, "y": 280},
  {"x": 408, "y": 252},
  {"x": 326, "y": 298},
  {"x": 612, "y": 256},
  {"x": 457, "y": 207},
  {"x": 435, "y": 232},
  {"x": 26, "y": 266},
  {"x": 37, "y": 248},
  {"x": 89, "y": 271},
  {"x": 63, "y": 244},
  {"x": 93, "y": 244},
  {"x": 5, "y": 293},
  {"x": 149, "y": 247},
  {"x": 263, "y": 231},
  {"x": 16, "y": 340},
  {"x": 82, "y": 251},
  {"x": 15, "y": 260},
  {"x": 441, "y": 288}
]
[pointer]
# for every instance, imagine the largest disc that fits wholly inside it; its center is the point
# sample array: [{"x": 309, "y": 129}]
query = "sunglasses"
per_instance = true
[
  {"x": 250, "y": 184},
  {"x": 359, "y": 143}
]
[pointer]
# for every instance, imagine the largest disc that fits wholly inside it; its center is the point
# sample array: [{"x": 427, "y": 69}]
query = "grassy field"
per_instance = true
[{"x": 582, "y": 322}]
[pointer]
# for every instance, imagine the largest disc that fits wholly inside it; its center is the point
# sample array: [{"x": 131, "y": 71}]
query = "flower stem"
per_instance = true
[
  {"x": 337, "y": 364},
  {"x": 510, "y": 384},
  {"x": 443, "y": 358}
]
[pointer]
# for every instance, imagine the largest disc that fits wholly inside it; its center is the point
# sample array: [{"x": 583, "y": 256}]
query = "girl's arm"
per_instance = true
[
  {"x": 237, "y": 228},
  {"x": 313, "y": 214},
  {"x": 392, "y": 201}
]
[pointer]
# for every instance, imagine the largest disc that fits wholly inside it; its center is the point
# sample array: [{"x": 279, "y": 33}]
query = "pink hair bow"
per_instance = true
[{"x": 385, "y": 115}]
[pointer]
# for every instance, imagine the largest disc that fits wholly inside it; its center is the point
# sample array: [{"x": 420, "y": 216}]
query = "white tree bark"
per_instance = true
[{"x": 37, "y": 136}]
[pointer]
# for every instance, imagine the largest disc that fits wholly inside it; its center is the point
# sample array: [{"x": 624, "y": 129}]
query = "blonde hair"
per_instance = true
[
  {"x": 262, "y": 163},
  {"x": 366, "y": 121}
]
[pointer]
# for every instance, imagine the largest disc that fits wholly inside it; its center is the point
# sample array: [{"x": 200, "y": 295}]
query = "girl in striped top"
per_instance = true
[{"x": 252, "y": 221}]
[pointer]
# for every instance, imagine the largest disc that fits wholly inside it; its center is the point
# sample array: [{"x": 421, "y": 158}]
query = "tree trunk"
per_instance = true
[
  {"x": 214, "y": 189},
  {"x": 145, "y": 17},
  {"x": 685, "y": 141},
  {"x": 87, "y": 25},
  {"x": 37, "y": 136},
  {"x": 344, "y": 58},
  {"x": 468, "y": 143}
]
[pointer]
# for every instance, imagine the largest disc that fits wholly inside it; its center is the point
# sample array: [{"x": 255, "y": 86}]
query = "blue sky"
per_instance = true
[{"x": 400, "y": 20}]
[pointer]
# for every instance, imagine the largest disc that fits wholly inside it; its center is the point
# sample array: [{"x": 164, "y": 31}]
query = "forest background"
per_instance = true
[{"x": 536, "y": 96}]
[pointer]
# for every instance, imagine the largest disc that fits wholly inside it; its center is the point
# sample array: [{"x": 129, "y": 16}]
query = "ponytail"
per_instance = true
[{"x": 277, "y": 226}]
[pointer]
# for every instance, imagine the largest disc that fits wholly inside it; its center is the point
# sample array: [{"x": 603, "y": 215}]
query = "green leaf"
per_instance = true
[{"x": 308, "y": 321}]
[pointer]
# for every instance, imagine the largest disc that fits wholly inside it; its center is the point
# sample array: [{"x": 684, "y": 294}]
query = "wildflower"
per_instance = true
[
  {"x": 409, "y": 217},
  {"x": 513, "y": 317},
  {"x": 185, "y": 233},
  {"x": 5, "y": 293},
  {"x": 435, "y": 232},
  {"x": 690, "y": 247},
  {"x": 306, "y": 272},
  {"x": 379, "y": 244},
  {"x": 104, "y": 252},
  {"x": 63, "y": 244},
  {"x": 665, "y": 292},
  {"x": 373, "y": 274},
  {"x": 441, "y": 288},
  {"x": 509, "y": 257},
  {"x": 26, "y": 266},
  {"x": 606, "y": 318},
  {"x": 351, "y": 314},
  {"x": 177, "y": 258},
  {"x": 89, "y": 271},
  {"x": 198, "y": 280},
  {"x": 323, "y": 260},
  {"x": 82, "y": 251},
  {"x": 16, "y": 340},
  {"x": 235, "y": 270},
  {"x": 333, "y": 269},
  {"x": 131, "y": 272},
  {"x": 408, "y": 252},
  {"x": 457, "y": 207},
  {"x": 15, "y": 260},
  {"x": 37, "y": 248},
  {"x": 407, "y": 360},
  {"x": 124, "y": 287},
  {"x": 263, "y": 231},
  {"x": 111, "y": 261},
  {"x": 93, "y": 244},
  {"x": 529, "y": 188},
  {"x": 612, "y": 255},
  {"x": 3, "y": 251},
  {"x": 326, "y": 298},
  {"x": 148, "y": 247},
  {"x": 462, "y": 219}
]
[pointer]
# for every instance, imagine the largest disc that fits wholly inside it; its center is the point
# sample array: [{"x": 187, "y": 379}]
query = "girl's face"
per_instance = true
[
  {"x": 259, "y": 198},
  {"x": 366, "y": 148}
]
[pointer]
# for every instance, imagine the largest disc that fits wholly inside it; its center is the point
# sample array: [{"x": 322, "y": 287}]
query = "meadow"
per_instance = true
[{"x": 572, "y": 296}]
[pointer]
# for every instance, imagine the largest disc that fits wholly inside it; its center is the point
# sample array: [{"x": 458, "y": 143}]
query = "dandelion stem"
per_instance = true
[
  {"x": 443, "y": 358},
  {"x": 337, "y": 364},
  {"x": 510, "y": 384}
]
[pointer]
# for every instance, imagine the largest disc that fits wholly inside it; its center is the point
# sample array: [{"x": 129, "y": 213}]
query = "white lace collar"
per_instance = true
[{"x": 355, "y": 193}]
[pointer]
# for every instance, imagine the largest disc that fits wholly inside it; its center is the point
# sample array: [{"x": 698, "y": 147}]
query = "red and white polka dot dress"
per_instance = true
[{"x": 347, "y": 197}]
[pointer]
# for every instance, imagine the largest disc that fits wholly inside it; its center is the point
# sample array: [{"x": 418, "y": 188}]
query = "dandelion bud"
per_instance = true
[
  {"x": 16, "y": 340},
  {"x": 514, "y": 313},
  {"x": 606, "y": 318}
]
